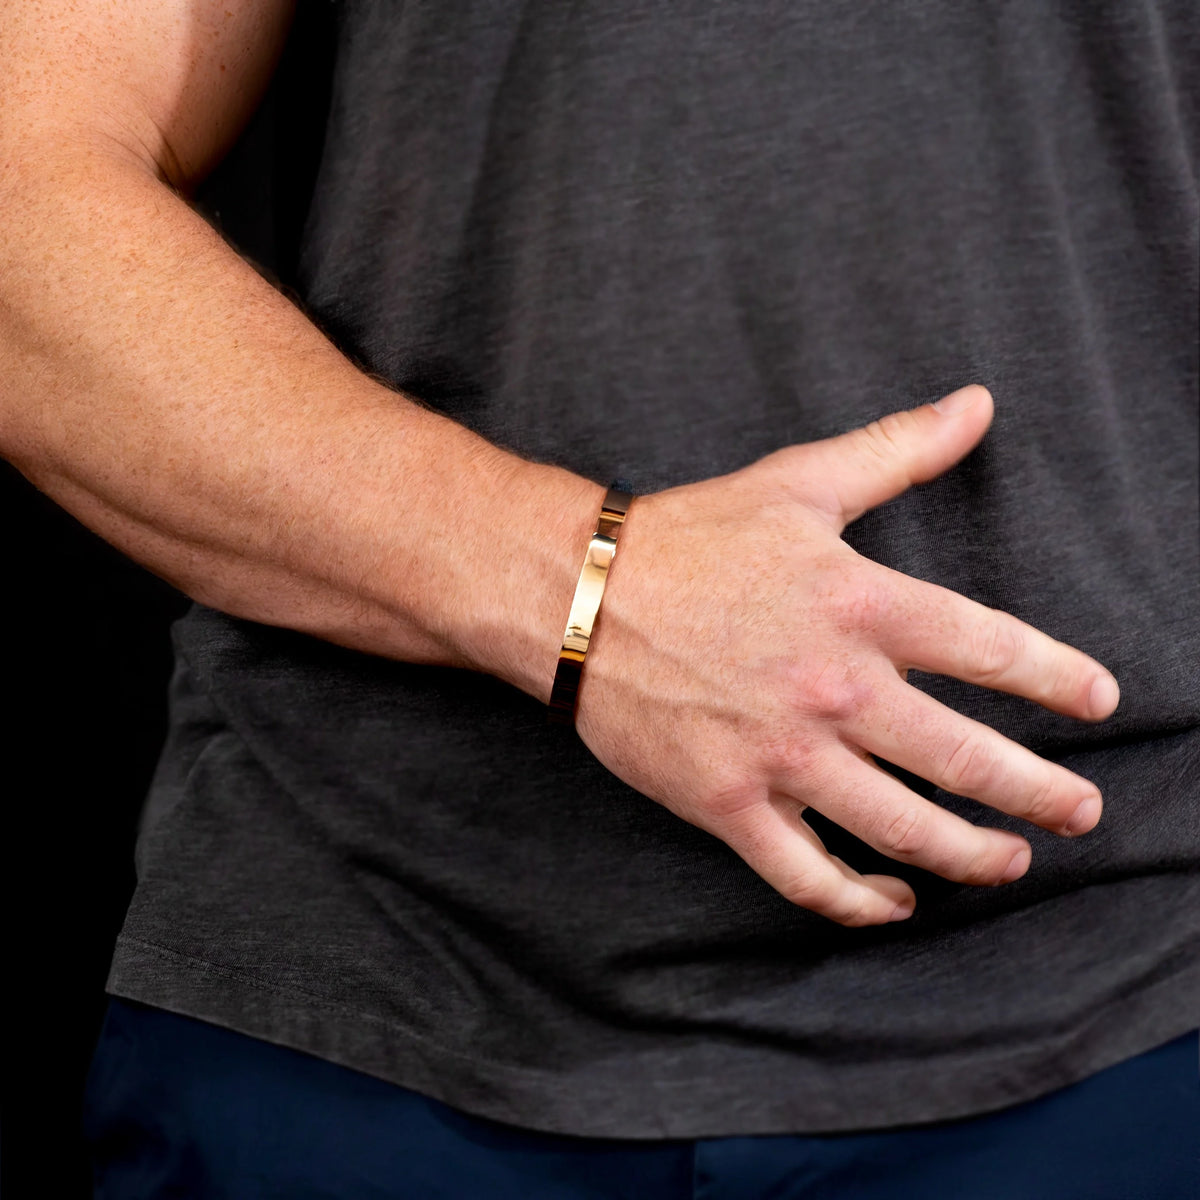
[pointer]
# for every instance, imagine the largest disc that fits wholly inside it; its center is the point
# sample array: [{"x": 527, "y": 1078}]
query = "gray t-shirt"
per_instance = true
[{"x": 654, "y": 243}]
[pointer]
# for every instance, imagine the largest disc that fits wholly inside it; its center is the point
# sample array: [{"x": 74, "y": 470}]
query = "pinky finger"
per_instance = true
[{"x": 781, "y": 847}]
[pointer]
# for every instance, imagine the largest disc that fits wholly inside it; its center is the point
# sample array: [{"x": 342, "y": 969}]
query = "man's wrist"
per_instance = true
[{"x": 522, "y": 537}]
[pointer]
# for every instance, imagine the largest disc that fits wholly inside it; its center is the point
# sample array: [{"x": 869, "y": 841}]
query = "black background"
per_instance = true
[{"x": 86, "y": 662}]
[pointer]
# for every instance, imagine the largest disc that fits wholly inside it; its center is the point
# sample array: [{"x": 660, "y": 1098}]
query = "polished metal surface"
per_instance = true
[{"x": 586, "y": 605}]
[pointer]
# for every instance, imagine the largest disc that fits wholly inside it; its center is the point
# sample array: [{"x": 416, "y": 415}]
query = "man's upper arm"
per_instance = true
[{"x": 170, "y": 82}]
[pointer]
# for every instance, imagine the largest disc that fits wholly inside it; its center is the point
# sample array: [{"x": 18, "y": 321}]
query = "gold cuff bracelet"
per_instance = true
[{"x": 585, "y": 607}]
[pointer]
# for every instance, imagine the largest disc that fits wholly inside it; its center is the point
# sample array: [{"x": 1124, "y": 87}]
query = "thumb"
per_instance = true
[{"x": 868, "y": 466}]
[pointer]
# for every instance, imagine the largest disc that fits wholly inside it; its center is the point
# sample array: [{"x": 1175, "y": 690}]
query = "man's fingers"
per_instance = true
[
  {"x": 935, "y": 629},
  {"x": 861, "y": 469},
  {"x": 875, "y": 806},
  {"x": 906, "y": 727},
  {"x": 785, "y": 850}
]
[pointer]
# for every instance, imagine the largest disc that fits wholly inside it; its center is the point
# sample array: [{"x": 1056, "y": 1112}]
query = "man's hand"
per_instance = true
[{"x": 748, "y": 663}]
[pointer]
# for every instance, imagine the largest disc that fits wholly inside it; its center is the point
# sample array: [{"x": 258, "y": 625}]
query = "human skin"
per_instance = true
[{"x": 746, "y": 664}]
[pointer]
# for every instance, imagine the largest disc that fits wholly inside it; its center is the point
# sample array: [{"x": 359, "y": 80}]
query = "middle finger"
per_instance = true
[{"x": 905, "y": 726}]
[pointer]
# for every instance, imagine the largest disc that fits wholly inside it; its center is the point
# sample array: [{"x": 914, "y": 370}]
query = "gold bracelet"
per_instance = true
[{"x": 589, "y": 590}]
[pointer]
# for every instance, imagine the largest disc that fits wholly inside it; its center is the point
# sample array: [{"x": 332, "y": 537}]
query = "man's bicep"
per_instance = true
[{"x": 170, "y": 82}]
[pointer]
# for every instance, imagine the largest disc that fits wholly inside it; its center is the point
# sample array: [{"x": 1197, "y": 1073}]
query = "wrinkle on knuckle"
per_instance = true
[
  {"x": 1064, "y": 677},
  {"x": 807, "y": 891},
  {"x": 996, "y": 646},
  {"x": 980, "y": 869},
  {"x": 907, "y": 834},
  {"x": 970, "y": 766},
  {"x": 1041, "y": 806},
  {"x": 852, "y": 910},
  {"x": 834, "y": 692},
  {"x": 885, "y": 437}
]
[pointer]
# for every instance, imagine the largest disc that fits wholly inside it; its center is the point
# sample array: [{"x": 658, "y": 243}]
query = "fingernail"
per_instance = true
[
  {"x": 1085, "y": 816},
  {"x": 902, "y": 911},
  {"x": 1104, "y": 696},
  {"x": 956, "y": 402},
  {"x": 1018, "y": 866}
]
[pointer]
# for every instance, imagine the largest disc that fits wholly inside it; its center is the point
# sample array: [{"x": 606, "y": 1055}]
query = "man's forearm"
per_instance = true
[{"x": 158, "y": 388}]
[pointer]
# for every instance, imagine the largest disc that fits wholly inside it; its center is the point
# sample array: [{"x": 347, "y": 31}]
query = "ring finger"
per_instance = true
[
  {"x": 872, "y": 804},
  {"x": 913, "y": 730}
]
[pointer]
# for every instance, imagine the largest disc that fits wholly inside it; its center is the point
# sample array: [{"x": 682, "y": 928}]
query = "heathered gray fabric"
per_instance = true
[{"x": 655, "y": 242}]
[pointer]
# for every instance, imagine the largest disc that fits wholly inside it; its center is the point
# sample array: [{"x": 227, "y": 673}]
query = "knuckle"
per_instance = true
[
  {"x": 907, "y": 834},
  {"x": 885, "y": 436},
  {"x": 851, "y": 909},
  {"x": 836, "y": 703},
  {"x": 1042, "y": 808},
  {"x": 1064, "y": 677},
  {"x": 731, "y": 799},
  {"x": 996, "y": 646},
  {"x": 861, "y": 605},
  {"x": 807, "y": 891},
  {"x": 794, "y": 760},
  {"x": 983, "y": 868},
  {"x": 834, "y": 692},
  {"x": 970, "y": 767}
]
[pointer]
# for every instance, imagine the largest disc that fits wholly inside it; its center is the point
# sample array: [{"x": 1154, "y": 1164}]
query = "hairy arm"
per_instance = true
[{"x": 158, "y": 388}]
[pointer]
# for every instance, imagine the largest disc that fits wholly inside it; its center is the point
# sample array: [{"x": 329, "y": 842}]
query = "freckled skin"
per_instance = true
[{"x": 746, "y": 662}]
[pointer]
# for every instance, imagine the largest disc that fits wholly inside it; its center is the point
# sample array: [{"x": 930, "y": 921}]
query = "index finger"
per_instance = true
[{"x": 933, "y": 628}]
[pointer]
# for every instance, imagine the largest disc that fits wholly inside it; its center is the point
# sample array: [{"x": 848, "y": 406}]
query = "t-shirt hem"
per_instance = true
[{"x": 757, "y": 1091}]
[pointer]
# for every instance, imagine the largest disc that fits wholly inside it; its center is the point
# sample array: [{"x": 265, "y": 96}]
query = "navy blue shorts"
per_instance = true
[{"x": 179, "y": 1108}]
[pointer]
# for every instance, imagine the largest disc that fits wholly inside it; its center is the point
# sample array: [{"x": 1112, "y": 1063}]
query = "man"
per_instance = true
[{"x": 775, "y": 887}]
